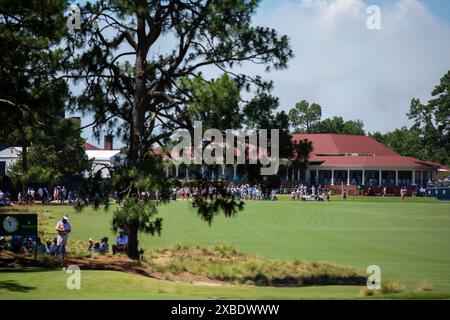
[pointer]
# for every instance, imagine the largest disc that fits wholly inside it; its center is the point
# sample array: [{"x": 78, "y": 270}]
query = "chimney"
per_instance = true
[{"x": 108, "y": 142}]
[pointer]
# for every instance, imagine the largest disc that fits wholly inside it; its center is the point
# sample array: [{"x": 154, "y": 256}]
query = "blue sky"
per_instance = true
[
  {"x": 439, "y": 8},
  {"x": 352, "y": 71}
]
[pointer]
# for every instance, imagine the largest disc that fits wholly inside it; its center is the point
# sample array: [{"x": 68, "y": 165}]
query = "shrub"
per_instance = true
[
  {"x": 393, "y": 286},
  {"x": 225, "y": 263},
  {"x": 424, "y": 287}
]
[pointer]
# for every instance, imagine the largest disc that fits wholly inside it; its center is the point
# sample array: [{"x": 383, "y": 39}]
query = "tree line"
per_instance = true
[{"x": 426, "y": 139}]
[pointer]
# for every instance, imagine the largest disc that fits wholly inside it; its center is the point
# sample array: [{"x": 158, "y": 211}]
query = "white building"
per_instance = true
[
  {"x": 102, "y": 158},
  {"x": 8, "y": 156}
]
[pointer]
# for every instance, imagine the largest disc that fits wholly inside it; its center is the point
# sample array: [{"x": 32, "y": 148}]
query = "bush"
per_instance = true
[
  {"x": 424, "y": 287},
  {"x": 394, "y": 286},
  {"x": 225, "y": 263}
]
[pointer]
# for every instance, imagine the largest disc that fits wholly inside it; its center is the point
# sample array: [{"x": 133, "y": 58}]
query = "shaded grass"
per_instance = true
[{"x": 14, "y": 286}]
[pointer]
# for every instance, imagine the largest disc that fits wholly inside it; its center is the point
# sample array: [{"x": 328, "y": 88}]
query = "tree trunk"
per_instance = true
[
  {"x": 24, "y": 168},
  {"x": 137, "y": 129},
  {"x": 133, "y": 251}
]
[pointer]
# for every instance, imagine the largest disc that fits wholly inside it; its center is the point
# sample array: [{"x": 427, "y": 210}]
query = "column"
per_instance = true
[
  {"x": 332, "y": 177},
  {"x": 363, "y": 177},
  {"x": 379, "y": 177},
  {"x": 421, "y": 177},
  {"x": 413, "y": 180},
  {"x": 396, "y": 177},
  {"x": 287, "y": 173},
  {"x": 293, "y": 173},
  {"x": 223, "y": 170},
  {"x": 234, "y": 171},
  {"x": 308, "y": 176},
  {"x": 187, "y": 173},
  {"x": 176, "y": 172}
]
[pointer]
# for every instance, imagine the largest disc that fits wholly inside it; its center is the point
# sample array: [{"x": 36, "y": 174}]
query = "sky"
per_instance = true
[{"x": 352, "y": 71}]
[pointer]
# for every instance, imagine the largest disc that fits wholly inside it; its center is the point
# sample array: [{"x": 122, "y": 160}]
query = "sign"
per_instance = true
[{"x": 19, "y": 224}]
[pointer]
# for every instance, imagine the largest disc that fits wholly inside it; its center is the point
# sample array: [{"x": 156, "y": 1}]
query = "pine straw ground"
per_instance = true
[{"x": 217, "y": 265}]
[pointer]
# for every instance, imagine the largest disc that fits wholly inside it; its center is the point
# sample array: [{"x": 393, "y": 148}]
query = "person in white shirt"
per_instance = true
[
  {"x": 121, "y": 242},
  {"x": 63, "y": 228}
]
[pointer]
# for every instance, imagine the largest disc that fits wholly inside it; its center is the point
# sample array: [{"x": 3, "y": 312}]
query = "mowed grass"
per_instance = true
[
  {"x": 410, "y": 242},
  {"x": 43, "y": 284}
]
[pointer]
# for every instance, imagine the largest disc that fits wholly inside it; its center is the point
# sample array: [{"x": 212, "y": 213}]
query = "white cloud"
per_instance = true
[
  {"x": 355, "y": 72},
  {"x": 351, "y": 71}
]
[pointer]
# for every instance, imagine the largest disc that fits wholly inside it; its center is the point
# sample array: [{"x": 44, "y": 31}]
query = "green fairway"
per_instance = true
[
  {"x": 116, "y": 285},
  {"x": 409, "y": 241}
]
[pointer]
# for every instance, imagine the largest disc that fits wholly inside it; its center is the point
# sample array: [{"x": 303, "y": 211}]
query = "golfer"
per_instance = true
[{"x": 63, "y": 228}]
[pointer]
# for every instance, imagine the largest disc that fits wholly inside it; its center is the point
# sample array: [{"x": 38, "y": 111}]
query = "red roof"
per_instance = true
[
  {"x": 337, "y": 150},
  {"x": 438, "y": 165},
  {"x": 88, "y": 146},
  {"x": 335, "y": 144}
]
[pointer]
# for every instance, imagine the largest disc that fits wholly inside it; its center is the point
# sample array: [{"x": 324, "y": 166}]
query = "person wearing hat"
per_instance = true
[
  {"x": 121, "y": 242},
  {"x": 63, "y": 228},
  {"x": 91, "y": 245}
]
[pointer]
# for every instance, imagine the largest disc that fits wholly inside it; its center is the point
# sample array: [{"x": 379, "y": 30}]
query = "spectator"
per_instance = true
[
  {"x": 63, "y": 228},
  {"x": 91, "y": 245},
  {"x": 3, "y": 244},
  {"x": 41, "y": 247},
  {"x": 63, "y": 195},
  {"x": 104, "y": 247},
  {"x": 27, "y": 246},
  {"x": 48, "y": 246},
  {"x": 121, "y": 242},
  {"x": 96, "y": 247},
  {"x": 16, "y": 243}
]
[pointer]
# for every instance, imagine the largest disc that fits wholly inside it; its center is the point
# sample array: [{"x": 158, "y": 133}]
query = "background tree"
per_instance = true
[
  {"x": 53, "y": 157},
  {"x": 260, "y": 113},
  {"x": 145, "y": 94},
  {"x": 431, "y": 122},
  {"x": 215, "y": 103},
  {"x": 31, "y": 99},
  {"x": 338, "y": 125},
  {"x": 354, "y": 127},
  {"x": 304, "y": 116},
  {"x": 404, "y": 141}
]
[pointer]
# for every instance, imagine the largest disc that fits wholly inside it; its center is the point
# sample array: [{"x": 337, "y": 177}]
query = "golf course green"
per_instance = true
[{"x": 409, "y": 241}]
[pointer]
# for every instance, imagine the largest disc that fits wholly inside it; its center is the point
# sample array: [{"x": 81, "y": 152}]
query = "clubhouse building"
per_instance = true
[
  {"x": 339, "y": 161},
  {"x": 336, "y": 160}
]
